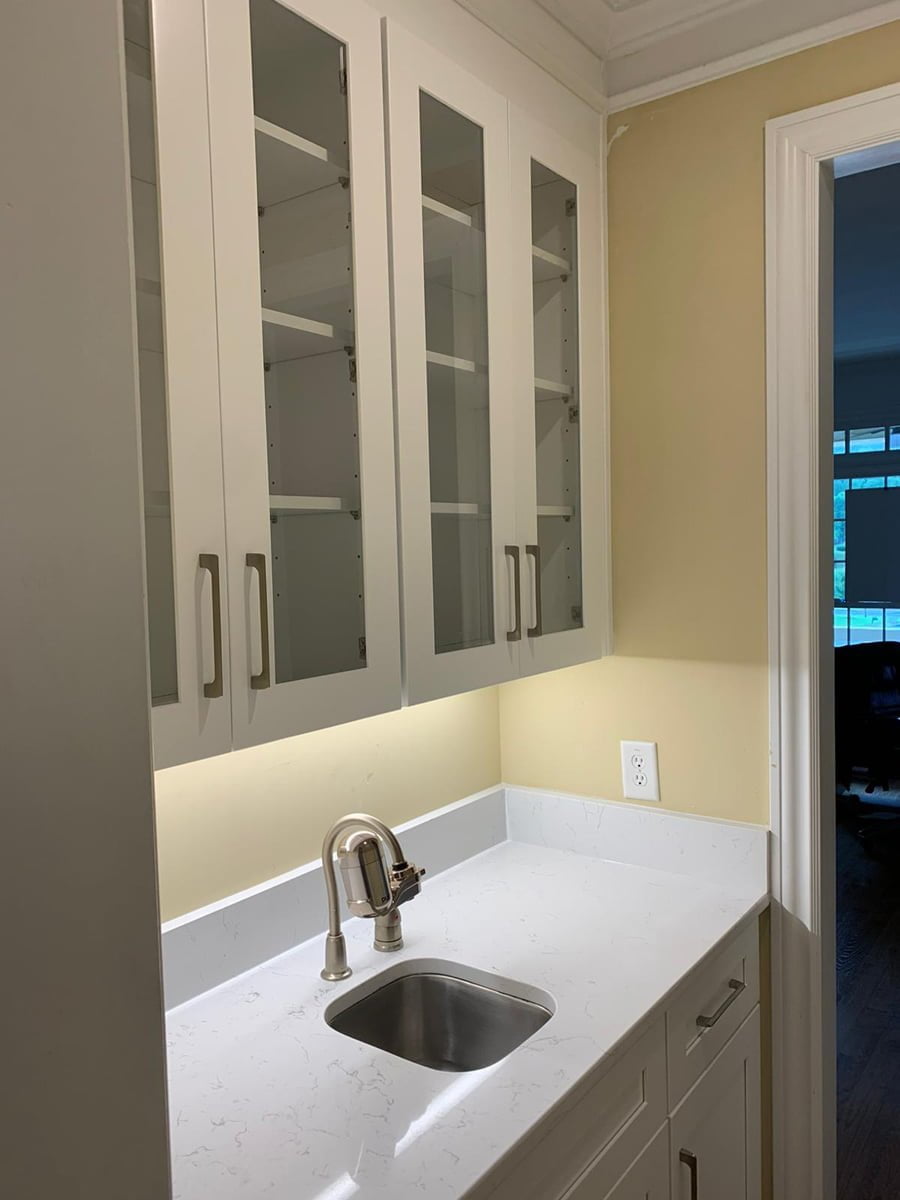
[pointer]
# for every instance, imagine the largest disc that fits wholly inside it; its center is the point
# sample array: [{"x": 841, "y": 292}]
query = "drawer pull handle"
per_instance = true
[
  {"x": 537, "y": 629},
  {"x": 737, "y": 986},
  {"x": 257, "y": 563},
  {"x": 690, "y": 1161},
  {"x": 515, "y": 634},
  {"x": 210, "y": 562}
]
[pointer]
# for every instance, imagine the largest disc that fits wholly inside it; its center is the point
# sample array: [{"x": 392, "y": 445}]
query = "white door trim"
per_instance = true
[{"x": 799, "y": 152}]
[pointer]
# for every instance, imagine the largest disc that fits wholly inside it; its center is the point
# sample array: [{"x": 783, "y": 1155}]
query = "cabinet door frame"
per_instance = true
[
  {"x": 194, "y": 726},
  {"x": 413, "y": 66},
  {"x": 284, "y": 709},
  {"x": 742, "y": 1054},
  {"x": 648, "y": 1178},
  {"x": 529, "y": 139}
]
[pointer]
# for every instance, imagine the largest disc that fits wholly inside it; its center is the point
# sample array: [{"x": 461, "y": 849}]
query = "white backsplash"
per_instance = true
[{"x": 207, "y": 947}]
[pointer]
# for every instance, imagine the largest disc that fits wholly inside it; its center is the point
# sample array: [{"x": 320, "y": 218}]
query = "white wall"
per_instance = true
[{"x": 82, "y": 1058}]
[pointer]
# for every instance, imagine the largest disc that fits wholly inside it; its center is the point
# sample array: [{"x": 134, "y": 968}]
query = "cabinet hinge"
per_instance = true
[
  {"x": 573, "y": 414},
  {"x": 576, "y": 613},
  {"x": 351, "y": 363},
  {"x": 362, "y": 648},
  {"x": 571, "y": 207},
  {"x": 342, "y": 71}
]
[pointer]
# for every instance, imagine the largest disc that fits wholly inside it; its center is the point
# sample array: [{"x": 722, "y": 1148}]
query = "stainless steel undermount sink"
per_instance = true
[{"x": 441, "y": 1015}]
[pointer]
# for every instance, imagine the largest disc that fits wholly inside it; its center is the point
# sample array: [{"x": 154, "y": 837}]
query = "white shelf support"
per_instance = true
[
  {"x": 446, "y": 210},
  {"x": 549, "y": 389},
  {"x": 546, "y": 266},
  {"x": 309, "y": 504},
  {"x": 450, "y": 508}
]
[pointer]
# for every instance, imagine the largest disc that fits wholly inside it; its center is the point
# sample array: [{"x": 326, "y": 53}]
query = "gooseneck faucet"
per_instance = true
[{"x": 373, "y": 889}]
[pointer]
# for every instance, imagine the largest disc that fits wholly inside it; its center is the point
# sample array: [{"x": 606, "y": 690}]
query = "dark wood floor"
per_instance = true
[{"x": 868, "y": 980}]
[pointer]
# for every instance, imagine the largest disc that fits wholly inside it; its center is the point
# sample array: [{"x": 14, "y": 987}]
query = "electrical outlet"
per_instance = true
[{"x": 640, "y": 771}]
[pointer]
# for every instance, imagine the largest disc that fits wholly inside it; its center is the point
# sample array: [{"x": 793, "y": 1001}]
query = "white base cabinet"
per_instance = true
[
  {"x": 715, "y": 1131},
  {"x": 648, "y": 1178},
  {"x": 622, "y": 1136}
]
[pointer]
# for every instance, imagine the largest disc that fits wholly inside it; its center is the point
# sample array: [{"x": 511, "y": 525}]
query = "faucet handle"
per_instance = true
[{"x": 404, "y": 881}]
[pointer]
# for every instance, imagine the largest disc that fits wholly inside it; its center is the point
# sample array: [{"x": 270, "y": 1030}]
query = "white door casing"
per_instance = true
[{"x": 799, "y": 255}]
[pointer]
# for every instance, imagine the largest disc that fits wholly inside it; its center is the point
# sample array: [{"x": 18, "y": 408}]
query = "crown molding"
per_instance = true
[
  {"x": 551, "y": 34},
  {"x": 543, "y": 39},
  {"x": 858, "y": 22},
  {"x": 654, "y": 21}
]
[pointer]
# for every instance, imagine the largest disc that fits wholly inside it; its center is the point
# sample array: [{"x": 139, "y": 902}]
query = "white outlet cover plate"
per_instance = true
[{"x": 640, "y": 771}]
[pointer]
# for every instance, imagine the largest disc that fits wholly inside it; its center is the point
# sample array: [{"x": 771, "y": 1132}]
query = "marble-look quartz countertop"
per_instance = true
[{"x": 267, "y": 1100}]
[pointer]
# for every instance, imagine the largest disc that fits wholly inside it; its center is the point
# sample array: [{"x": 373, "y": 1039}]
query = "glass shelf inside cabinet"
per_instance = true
[
  {"x": 304, "y": 188},
  {"x": 459, "y": 447},
  {"x": 158, "y": 547},
  {"x": 554, "y": 206}
]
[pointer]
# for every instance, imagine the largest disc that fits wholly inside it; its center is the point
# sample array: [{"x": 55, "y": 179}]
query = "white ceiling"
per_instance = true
[
  {"x": 605, "y": 26},
  {"x": 651, "y": 47}
]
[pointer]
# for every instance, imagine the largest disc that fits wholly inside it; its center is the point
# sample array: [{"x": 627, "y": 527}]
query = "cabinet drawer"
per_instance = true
[
  {"x": 708, "y": 1008},
  {"x": 646, "y": 1179},
  {"x": 609, "y": 1119}
]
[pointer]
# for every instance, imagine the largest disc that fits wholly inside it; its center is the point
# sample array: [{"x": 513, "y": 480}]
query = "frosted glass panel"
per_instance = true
[
  {"x": 456, "y": 336},
  {"x": 151, "y": 354},
  {"x": 304, "y": 182}
]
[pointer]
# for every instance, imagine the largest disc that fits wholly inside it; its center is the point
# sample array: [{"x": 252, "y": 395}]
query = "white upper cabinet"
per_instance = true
[
  {"x": 559, "y": 383},
  {"x": 451, "y": 257},
  {"x": 297, "y": 145},
  {"x": 274, "y": 384},
  {"x": 499, "y": 365},
  {"x": 184, "y": 521}
]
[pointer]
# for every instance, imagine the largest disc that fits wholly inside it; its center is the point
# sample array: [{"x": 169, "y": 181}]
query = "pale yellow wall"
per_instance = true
[
  {"x": 230, "y": 822},
  {"x": 686, "y": 196}
]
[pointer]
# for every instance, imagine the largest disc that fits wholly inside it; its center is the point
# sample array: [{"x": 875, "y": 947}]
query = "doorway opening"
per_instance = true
[
  {"x": 865, "y": 497},
  {"x": 801, "y": 152}
]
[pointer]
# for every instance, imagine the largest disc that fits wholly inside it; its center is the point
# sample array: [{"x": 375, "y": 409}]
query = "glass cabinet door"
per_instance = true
[
  {"x": 449, "y": 182},
  {"x": 456, "y": 355},
  {"x": 561, "y": 387},
  {"x": 303, "y": 193},
  {"x": 557, "y": 554},
  {"x": 305, "y": 360},
  {"x": 174, "y": 289}
]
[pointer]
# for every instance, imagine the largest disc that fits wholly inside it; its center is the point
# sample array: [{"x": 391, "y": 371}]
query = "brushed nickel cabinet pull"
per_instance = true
[
  {"x": 257, "y": 562},
  {"x": 210, "y": 562},
  {"x": 537, "y": 629},
  {"x": 690, "y": 1161},
  {"x": 515, "y": 634},
  {"x": 737, "y": 986}
]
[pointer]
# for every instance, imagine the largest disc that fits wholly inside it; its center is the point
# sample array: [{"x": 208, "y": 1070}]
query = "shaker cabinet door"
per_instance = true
[
  {"x": 178, "y": 382},
  {"x": 297, "y": 145},
  {"x": 449, "y": 178},
  {"x": 648, "y": 1178},
  {"x": 559, "y": 380},
  {"x": 715, "y": 1147}
]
